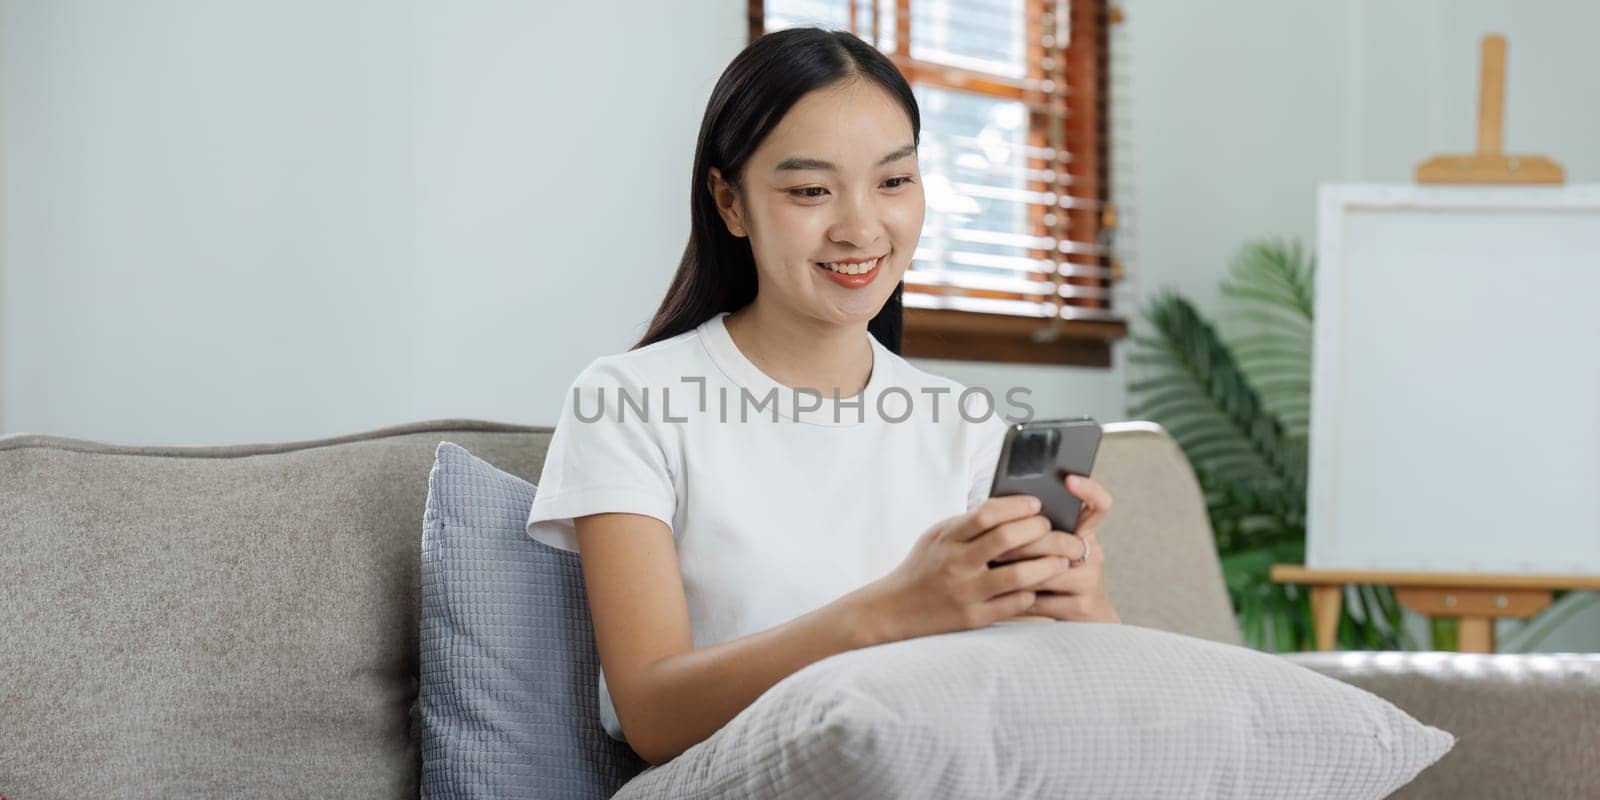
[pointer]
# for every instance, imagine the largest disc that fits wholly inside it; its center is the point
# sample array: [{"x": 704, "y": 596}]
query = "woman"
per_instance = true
[{"x": 770, "y": 483}]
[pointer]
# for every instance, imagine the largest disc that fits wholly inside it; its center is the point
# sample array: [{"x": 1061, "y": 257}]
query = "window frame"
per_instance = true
[{"x": 1079, "y": 94}]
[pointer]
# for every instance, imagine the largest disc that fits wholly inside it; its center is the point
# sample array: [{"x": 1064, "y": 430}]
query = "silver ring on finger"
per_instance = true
[{"x": 1083, "y": 559}]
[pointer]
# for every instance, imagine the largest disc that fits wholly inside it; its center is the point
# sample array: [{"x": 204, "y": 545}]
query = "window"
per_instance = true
[{"x": 1016, "y": 261}]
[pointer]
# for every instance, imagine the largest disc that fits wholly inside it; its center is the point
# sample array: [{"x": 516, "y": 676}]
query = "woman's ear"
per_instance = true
[{"x": 727, "y": 200}]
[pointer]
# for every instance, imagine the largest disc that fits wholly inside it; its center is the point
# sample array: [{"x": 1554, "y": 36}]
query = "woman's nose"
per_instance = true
[{"x": 857, "y": 225}]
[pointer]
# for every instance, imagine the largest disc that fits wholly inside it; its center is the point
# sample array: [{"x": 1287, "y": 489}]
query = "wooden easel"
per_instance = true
[
  {"x": 1477, "y": 600},
  {"x": 1489, "y": 165}
]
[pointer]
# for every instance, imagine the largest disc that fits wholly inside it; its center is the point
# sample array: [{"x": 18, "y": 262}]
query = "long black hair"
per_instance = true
[{"x": 718, "y": 270}]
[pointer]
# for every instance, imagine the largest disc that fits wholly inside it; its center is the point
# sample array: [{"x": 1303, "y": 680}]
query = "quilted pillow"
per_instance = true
[
  {"x": 508, "y": 704},
  {"x": 1058, "y": 710}
]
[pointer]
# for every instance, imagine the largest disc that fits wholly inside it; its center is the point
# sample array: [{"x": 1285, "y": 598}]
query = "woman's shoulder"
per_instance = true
[{"x": 656, "y": 361}]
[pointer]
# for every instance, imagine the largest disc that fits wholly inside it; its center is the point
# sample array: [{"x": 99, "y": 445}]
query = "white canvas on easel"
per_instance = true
[{"x": 1455, "y": 414}]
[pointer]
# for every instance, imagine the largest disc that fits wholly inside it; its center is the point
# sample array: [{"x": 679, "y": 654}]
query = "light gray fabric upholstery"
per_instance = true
[
  {"x": 1528, "y": 725},
  {"x": 217, "y": 622},
  {"x": 1053, "y": 710},
  {"x": 1157, "y": 537}
]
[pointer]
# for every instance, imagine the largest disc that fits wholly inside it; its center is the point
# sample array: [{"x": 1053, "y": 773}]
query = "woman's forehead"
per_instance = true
[{"x": 858, "y": 126}]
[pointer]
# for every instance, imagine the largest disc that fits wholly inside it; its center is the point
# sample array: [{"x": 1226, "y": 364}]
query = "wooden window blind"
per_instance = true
[{"x": 1016, "y": 260}]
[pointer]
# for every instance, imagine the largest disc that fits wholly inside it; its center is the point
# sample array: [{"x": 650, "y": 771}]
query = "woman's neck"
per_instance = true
[{"x": 803, "y": 353}]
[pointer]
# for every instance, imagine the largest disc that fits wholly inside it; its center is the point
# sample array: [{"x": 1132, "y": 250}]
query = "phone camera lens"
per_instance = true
[{"x": 1032, "y": 452}]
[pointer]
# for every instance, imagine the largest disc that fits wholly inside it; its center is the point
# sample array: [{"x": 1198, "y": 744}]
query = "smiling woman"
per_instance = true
[
  {"x": 754, "y": 172},
  {"x": 721, "y": 555},
  {"x": 853, "y": 214}
]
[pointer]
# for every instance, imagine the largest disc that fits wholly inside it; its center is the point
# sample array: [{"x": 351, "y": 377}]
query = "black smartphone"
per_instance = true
[{"x": 1036, "y": 459}]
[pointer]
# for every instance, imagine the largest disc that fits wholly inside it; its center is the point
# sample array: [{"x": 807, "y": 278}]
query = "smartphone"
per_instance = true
[{"x": 1036, "y": 459}]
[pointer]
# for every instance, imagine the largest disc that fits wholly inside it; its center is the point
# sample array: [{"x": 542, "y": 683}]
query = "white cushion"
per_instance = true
[{"x": 1059, "y": 710}]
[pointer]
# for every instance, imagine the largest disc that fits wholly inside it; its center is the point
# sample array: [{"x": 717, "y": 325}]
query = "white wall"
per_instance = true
[
  {"x": 1238, "y": 109},
  {"x": 278, "y": 221},
  {"x": 275, "y": 221}
]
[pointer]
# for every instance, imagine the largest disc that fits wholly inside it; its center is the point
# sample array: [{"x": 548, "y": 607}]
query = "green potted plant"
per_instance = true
[{"x": 1238, "y": 402}]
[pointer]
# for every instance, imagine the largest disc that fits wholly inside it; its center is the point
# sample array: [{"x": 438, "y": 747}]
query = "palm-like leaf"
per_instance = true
[
  {"x": 1208, "y": 404},
  {"x": 1270, "y": 287},
  {"x": 1239, "y": 408}
]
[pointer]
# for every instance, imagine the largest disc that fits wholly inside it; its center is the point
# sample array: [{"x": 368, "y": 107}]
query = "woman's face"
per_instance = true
[{"x": 836, "y": 180}]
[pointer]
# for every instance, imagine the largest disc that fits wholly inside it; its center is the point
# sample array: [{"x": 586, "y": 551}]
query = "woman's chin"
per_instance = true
[
  {"x": 860, "y": 305},
  {"x": 854, "y": 315}
]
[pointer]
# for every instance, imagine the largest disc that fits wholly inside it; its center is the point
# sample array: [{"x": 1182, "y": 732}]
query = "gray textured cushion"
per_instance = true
[
  {"x": 208, "y": 622},
  {"x": 1058, "y": 710},
  {"x": 1528, "y": 725},
  {"x": 1161, "y": 560},
  {"x": 508, "y": 704}
]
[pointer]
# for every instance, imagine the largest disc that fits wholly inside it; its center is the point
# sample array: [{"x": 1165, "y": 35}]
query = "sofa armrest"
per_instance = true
[{"x": 1525, "y": 725}]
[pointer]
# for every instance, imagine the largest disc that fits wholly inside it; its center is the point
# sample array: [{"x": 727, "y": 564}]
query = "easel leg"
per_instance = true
[
  {"x": 1325, "y": 602},
  {"x": 1477, "y": 635}
]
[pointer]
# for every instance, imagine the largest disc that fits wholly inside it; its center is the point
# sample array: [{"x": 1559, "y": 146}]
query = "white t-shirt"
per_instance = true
[{"x": 779, "y": 501}]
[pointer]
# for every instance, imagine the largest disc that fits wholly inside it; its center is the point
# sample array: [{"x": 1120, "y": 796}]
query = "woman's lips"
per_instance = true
[{"x": 853, "y": 281}]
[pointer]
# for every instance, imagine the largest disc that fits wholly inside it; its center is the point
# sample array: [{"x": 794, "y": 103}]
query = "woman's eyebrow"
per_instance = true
[{"x": 802, "y": 163}]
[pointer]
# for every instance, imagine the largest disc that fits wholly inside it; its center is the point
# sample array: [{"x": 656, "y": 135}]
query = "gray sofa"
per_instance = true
[{"x": 242, "y": 621}]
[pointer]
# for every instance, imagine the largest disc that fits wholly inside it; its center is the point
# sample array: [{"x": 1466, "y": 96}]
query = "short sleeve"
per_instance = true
[
  {"x": 604, "y": 456},
  {"x": 988, "y": 436}
]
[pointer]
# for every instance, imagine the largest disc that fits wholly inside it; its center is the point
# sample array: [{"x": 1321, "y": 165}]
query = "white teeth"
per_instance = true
[{"x": 853, "y": 269}]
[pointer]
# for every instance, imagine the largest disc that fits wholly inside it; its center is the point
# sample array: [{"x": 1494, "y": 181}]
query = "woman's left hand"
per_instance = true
[{"x": 1078, "y": 594}]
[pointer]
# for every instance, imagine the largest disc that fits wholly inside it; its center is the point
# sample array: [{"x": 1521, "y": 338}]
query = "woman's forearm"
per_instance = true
[{"x": 684, "y": 698}]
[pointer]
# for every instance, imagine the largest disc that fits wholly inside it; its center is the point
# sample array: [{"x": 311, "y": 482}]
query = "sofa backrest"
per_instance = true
[
  {"x": 217, "y": 621},
  {"x": 1161, "y": 560},
  {"x": 193, "y": 620}
]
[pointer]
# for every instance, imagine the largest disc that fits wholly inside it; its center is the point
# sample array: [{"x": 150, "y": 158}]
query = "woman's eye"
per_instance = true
[{"x": 813, "y": 192}]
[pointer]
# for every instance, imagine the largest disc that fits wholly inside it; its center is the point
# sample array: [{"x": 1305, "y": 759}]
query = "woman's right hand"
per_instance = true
[{"x": 946, "y": 584}]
